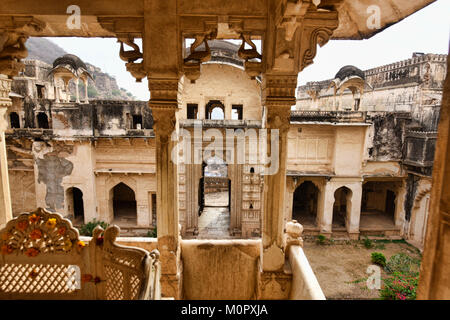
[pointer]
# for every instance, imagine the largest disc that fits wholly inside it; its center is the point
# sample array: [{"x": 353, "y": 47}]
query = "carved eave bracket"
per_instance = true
[
  {"x": 14, "y": 33},
  {"x": 136, "y": 69},
  {"x": 191, "y": 64},
  {"x": 299, "y": 29},
  {"x": 252, "y": 66}
]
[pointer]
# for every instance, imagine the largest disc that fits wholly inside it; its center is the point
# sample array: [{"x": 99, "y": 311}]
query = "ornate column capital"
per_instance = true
[{"x": 278, "y": 97}]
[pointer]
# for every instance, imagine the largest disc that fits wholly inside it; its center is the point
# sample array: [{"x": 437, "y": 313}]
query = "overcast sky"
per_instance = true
[{"x": 425, "y": 31}]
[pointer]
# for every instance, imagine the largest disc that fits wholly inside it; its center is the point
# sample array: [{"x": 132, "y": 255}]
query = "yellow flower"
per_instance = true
[
  {"x": 81, "y": 244},
  {"x": 51, "y": 223},
  {"x": 67, "y": 245}
]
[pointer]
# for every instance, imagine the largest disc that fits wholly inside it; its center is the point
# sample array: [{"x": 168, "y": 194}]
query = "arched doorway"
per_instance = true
[
  {"x": 75, "y": 205},
  {"x": 304, "y": 208},
  {"x": 14, "y": 120},
  {"x": 124, "y": 205},
  {"x": 42, "y": 120},
  {"x": 378, "y": 206},
  {"x": 214, "y": 200},
  {"x": 215, "y": 110},
  {"x": 342, "y": 207}
]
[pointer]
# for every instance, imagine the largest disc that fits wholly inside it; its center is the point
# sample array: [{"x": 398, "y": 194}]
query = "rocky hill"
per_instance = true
[{"x": 104, "y": 85}]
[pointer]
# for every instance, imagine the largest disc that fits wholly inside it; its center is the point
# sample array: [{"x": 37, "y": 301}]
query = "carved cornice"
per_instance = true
[
  {"x": 21, "y": 25},
  {"x": 123, "y": 27},
  {"x": 279, "y": 89}
]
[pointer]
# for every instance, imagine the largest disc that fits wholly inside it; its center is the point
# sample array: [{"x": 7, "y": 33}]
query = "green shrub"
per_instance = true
[
  {"x": 86, "y": 229},
  {"x": 92, "y": 92},
  {"x": 400, "y": 286},
  {"x": 321, "y": 239},
  {"x": 368, "y": 243},
  {"x": 403, "y": 263},
  {"x": 378, "y": 258},
  {"x": 152, "y": 233}
]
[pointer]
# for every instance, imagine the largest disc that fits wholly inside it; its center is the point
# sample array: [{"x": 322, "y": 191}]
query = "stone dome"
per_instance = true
[
  {"x": 349, "y": 71},
  {"x": 70, "y": 59}
]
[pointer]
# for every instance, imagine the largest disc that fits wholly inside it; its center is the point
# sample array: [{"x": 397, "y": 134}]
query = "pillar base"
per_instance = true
[
  {"x": 274, "y": 285},
  {"x": 353, "y": 235},
  {"x": 172, "y": 285}
]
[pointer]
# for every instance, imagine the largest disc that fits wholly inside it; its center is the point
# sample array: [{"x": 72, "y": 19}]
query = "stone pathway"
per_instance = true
[{"x": 214, "y": 223}]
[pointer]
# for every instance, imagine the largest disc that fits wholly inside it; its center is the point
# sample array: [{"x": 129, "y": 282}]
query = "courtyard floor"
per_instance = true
[{"x": 341, "y": 267}]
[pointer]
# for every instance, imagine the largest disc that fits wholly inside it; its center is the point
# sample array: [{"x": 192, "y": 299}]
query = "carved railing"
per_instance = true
[
  {"x": 328, "y": 116},
  {"x": 42, "y": 257}
]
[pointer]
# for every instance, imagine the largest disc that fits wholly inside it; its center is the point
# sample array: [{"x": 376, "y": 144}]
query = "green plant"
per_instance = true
[
  {"x": 86, "y": 229},
  {"x": 92, "y": 92},
  {"x": 152, "y": 233},
  {"x": 400, "y": 286},
  {"x": 321, "y": 239},
  {"x": 368, "y": 243},
  {"x": 380, "y": 246},
  {"x": 115, "y": 92},
  {"x": 378, "y": 258},
  {"x": 403, "y": 263}
]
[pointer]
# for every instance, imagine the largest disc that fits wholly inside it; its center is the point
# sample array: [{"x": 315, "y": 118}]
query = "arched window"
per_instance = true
[{"x": 215, "y": 110}]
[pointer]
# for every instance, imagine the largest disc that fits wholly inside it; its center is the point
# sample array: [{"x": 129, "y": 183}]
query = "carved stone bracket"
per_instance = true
[
  {"x": 13, "y": 35},
  {"x": 136, "y": 69},
  {"x": 252, "y": 67},
  {"x": 299, "y": 28},
  {"x": 191, "y": 64}
]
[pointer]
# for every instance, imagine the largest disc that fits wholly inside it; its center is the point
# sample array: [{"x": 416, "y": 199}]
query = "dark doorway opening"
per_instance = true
[
  {"x": 304, "y": 208},
  {"x": 342, "y": 207},
  {"x": 14, "y": 120},
  {"x": 42, "y": 120},
  {"x": 124, "y": 204},
  {"x": 76, "y": 205}
]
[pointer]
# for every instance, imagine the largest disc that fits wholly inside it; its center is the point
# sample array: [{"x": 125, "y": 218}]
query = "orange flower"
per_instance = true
[
  {"x": 62, "y": 230},
  {"x": 34, "y": 218},
  {"x": 51, "y": 223},
  {"x": 86, "y": 278},
  {"x": 7, "y": 249},
  {"x": 36, "y": 234},
  {"x": 6, "y": 236},
  {"x": 32, "y": 252},
  {"x": 33, "y": 274},
  {"x": 22, "y": 225}
]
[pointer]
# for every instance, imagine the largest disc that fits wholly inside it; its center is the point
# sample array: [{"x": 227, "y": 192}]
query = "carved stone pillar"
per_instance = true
[
  {"x": 278, "y": 97},
  {"x": 164, "y": 105},
  {"x": 5, "y": 197},
  {"x": 12, "y": 49}
]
